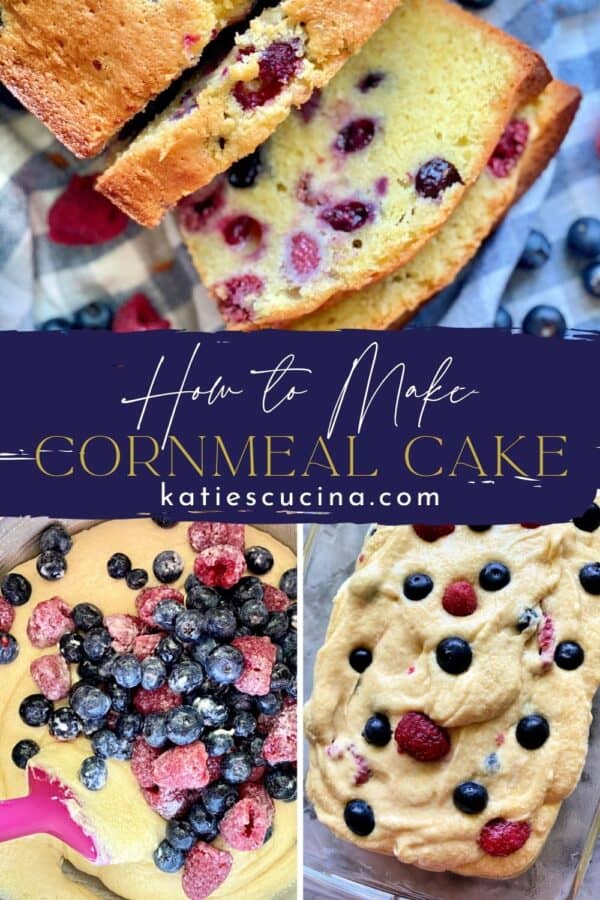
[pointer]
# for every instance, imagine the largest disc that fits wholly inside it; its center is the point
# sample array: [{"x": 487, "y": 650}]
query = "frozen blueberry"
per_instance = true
[
  {"x": 105, "y": 744},
  {"x": 417, "y": 586},
  {"x": 23, "y": 751},
  {"x": 9, "y": 648},
  {"x": 377, "y": 730},
  {"x": 184, "y": 725},
  {"x": 253, "y": 613},
  {"x": 532, "y": 732},
  {"x": 269, "y": 704},
  {"x": 569, "y": 655},
  {"x": 136, "y": 579},
  {"x": 218, "y": 742},
  {"x": 583, "y": 237},
  {"x": 280, "y": 677},
  {"x": 201, "y": 821},
  {"x": 288, "y": 583},
  {"x": 185, "y": 676},
  {"x": 91, "y": 726},
  {"x": 181, "y": 834},
  {"x": 166, "y": 612},
  {"x": 494, "y": 576},
  {"x": 127, "y": 670},
  {"x": 248, "y": 588},
  {"x": 253, "y": 746},
  {"x": 89, "y": 671},
  {"x": 212, "y": 713},
  {"x": 51, "y": 565},
  {"x": 199, "y": 596},
  {"x": 236, "y": 767},
  {"x": 436, "y": 176},
  {"x": 591, "y": 278},
  {"x": 544, "y": 321},
  {"x": 93, "y": 773},
  {"x": 89, "y": 702},
  {"x": 189, "y": 625},
  {"x": 528, "y": 620},
  {"x": 96, "y": 643},
  {"x": 590, "y": 520},
  {"x": 64, "y": 724},
  {"x": 86, "y": 616},
  {"x": 453, "y": 655},
  {"x": 244, "y": 172},
  {"x": 118, "y": 565},
  {"x": 55, "y": 537},
  {"x": 225, "y": 664},
  {"x": 154, "y": 729},
  {"x": 536, "y": 252},
  {"x": 218, "y": 797},
  {"x": 154, "y": 673},
  {"x": 503, "y": 319},
  {"x": 35, "y": 710},
  {"x": 167, "y": 566},
  {"x": 589, "y": 577},
  {"x": 16, "y": 589},
  {"x": 129, "y": 725},
  {"x": 243, "y": 724},
  {"x": 167, "y": 858},
  {"x": 470, "y": 797},
  {"x": 360, "y": 659},
  {"x": 359, "y": 818},
  {"x": 220, "y": 623},
  {"x": 168, "y": 650},
  {"x": 277, "y": 626},
  {"x": 97, "y": 316},
  {"x": 71, "y": 647},
  {"x": 259, "y": 560},
  {"x": 120, "y": 697}
]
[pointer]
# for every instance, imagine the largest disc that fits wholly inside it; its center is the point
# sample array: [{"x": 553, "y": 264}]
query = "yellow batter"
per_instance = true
[{"x": 128, "y": 830}]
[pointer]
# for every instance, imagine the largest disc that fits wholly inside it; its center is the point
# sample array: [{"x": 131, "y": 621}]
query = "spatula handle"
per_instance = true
[{"x": 18, "y": 818}]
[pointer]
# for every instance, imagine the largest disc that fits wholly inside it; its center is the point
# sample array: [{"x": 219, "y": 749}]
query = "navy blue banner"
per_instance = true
[{"x": 429, "y": 426}]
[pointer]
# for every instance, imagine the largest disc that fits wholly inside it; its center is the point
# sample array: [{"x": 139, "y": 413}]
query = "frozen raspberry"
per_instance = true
[
  {"x": 195, "y": 211},
  {"x": 304, "y": 255},
  {"x": 363, "y": 769},
  {"x": 221, "y": 565},
  {"x": 277, "y": 66},
  {"x": 83, "y": 216},
  {"x": 243, "y": 230},
  {"x": 123, "y": 630},
  {"x": 182, "y": 768},
  {"x": 213, "y": 767},
  {"x": 419, "y": 736},
  {"x": 460, "y": 598},
  {"x": 148, "y": 599},
  {"x": 436, "y": 176},
  {"x": 233, "y": 297},
  {"x": 48, "y": 622},
  {"x": 281, "y": 743},
  {"x": 7, "y": 615},
  {"x": 355, "y": 136},
  {"x": 257, "y": 774},
  {"x": 258, "y": 793},
  {"x": 309, "y": 109},
  {"x": 431, "y": 533},
  {"x": 547, "y": 640},
  {"x": 138, "y": 314},
  {"x": 498, "y": 837},
  {"x": 160, "y": 700},
  {"x": 274, "y": 599},
  {"x": 142, "y": 763},
  {"x": 51, "y": 674},
  {"x": 165, "y": 802},
  {"x": 348, "y": 216},
  {"x": 205, "y": 534},
  {"x": 245, "y": 825},
  {"x": 206, "y": 868},
  {"x": 145, "y": 644},
  {"x": 509, "y": 148},
  {"x": 259, "y": 655}
]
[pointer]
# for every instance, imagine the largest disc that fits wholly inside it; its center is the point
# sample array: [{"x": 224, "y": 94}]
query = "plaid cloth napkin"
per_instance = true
[{"x": 40, "y": 279}]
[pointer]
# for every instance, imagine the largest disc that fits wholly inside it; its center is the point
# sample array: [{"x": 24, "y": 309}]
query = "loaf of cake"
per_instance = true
[
  {"x": 352, "y": 186},
  {"x": 451, "y": 702},
  {"x": 86, "y": 68},
  {"x": 529, "y": 142},
  {"x": 286, "y": 53}
]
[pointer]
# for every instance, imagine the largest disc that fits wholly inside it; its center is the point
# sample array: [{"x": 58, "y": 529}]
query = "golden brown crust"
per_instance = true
[{"x": 152, "y": 175}]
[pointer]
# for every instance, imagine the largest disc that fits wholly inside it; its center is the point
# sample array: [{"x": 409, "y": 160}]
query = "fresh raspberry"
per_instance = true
[
  {"x": 277, "y": 66},
  {"x": 206, "y": 534},
  {"x": 419, "y": 736},
  {"x": 221, "y": 565},
  {"x": 182, "y": 768},
  {"x": 281, "y": 743},
  {"x": 547, "y": 640},
  {"x": 206, "y": 868},
  {"x": 7, "y": 615},
  {"x": 460, "y": 599},
  {"x": 161, "y": 700},
  {"x": 138, "y": 314},
  {"x": 148, "y": 599},
  {"x": 509, "y": 148},
  {"x": 52, "y": 676},
  {"x": 431, "y": 533},
  {"x": 213, "y": 767},
  {"x": 168, "y": 804},
  {"x": 499, "y": 837},
  {"x": 233, "y": 297},
  {"x": 48, "y": 622},
  {"x": 142, "y": 762},
  {"x": 245, "y": 825},
  {"x": 145, "y": 644},
  {"x": 274, "y": 599},
  {"x": 259, "y": 655},
  {"x": 82, "y": 216},
  {"x": 195, "y": 211},
  {"x": 123, "y": 630}
]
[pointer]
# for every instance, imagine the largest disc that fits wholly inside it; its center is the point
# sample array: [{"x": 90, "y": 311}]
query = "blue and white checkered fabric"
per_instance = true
[{"x": 40, "y": 279}]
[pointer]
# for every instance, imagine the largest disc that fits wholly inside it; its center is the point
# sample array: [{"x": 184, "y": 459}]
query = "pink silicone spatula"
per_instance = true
[{"x": 45, "y": 811}]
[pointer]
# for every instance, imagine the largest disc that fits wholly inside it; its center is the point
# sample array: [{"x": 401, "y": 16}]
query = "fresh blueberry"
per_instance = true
[
  {"x": 225, "y": 664},
  {"x": 51, "y": 565},
  {"x": 370, "y": 81},
  {"x": 569, "y": 655},
  {"x": 532, "y": 732},
  {"x": 59, "y": 323},
  {"x": 288, "y": 583},
  {"x": 154, "y": 729},
  {"x": 277, "y": 626},
  {"x": 96, "y": 643},
  {"x": 136, "y": 579},
  {"x": 360, "y": 659},
  {"x": 199, "y": 596},
  {"x": 120, "y": 697},
  {"x": 181, "y": 834},
  {"x": 9, "y": 648},
  {"x": 164, "y": 522},
  {"x": 259, "y": 560},
  {"x": 93, "y": 773},
  {"x": 189, "y": 626},
  {"x": 590, "y": 520},
  {"x": 71, "y": 647},
  {"x": 436, "y": 176},
  {"x": 184, "y": 725},
  {"x": 218, "y": 797},
  {"x": 377, "y": 730},
  {"x": 23, "y": 751},
  {"x": 16, "y": 589},
  {"x": 201, "y": 821},
  {"x": 129, "y": 725},
  {"x": 269, "y": 704},
  {"x": 244, "y": 172},
  {"x": 417, "y": 586},
  {"x": 453, "y": 655},
  {"x": 536, "y": 252},
  {"x": 470, "y": 797},
  {"x": 503, "y": 319},
  {"x": 64, "y": 724},
  {"x": 494, "y": 576},
  {"x": 118, "y": 565},
  {"x": 253, "y": 613},
  {"x": 591, "y": 278},
  {"x": 359, "y": 818},
  {"x": 127, "y": 670},
  {"x": 583, "y": 237},
  {"x": 89, "y": 702},
  {"x": 55, "y": 537},
  {"x": 86, "y": 616},
  {"x": 589, "y": 577},
  {"x": 248, "y": 588},
  {"x": 35, "y": 710},
  {"x": 97, "y": 315},
  {"x": 280, "y": 677},
  {"x": 211, "y": 712},
  {"x": 185, "y": 676},
  {"x": 154, "y": 673},
  {"x": 236, "y": 767},
  {"x": 243, "y": 724},
  {"x": 168, "y": 650},
  {"x": 544, "y": 321},
  {"x": 167, "y": 566},
  {"x": 218, "y": 742},
  {"x": 221, "y": 623},
  {"x": 167, "y": 858}
]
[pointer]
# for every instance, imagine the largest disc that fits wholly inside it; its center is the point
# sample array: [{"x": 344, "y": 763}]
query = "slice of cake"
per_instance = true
[
  {"x": 536, "y": 133},
  {"x": 352, "y": 186},
  {"x": 285, "y": 54},
  {"x": 86, "y": 68}
]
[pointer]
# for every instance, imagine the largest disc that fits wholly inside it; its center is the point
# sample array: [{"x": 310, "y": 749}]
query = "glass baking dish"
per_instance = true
[{"x": 335, "y": 869}]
